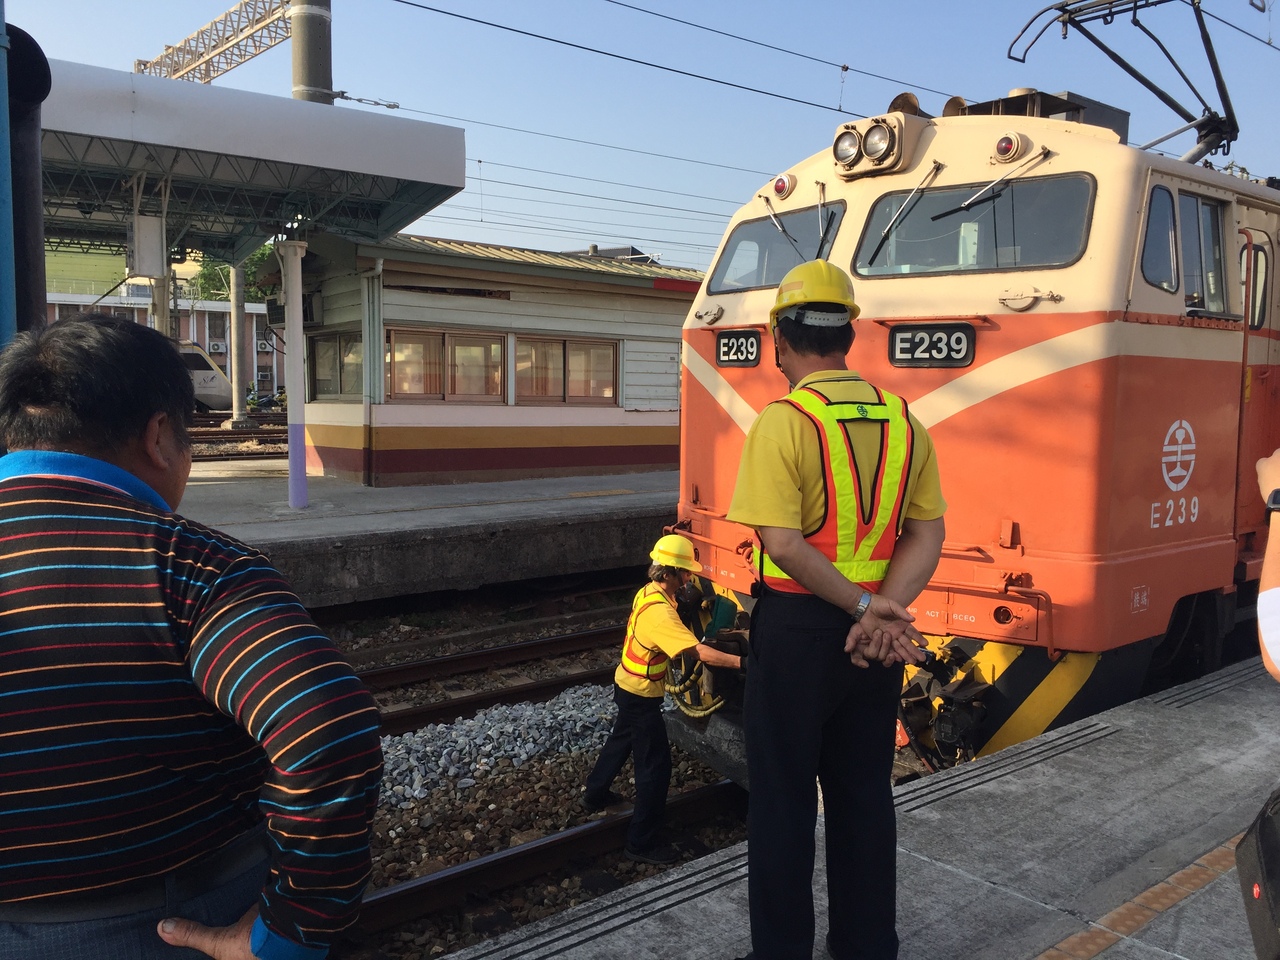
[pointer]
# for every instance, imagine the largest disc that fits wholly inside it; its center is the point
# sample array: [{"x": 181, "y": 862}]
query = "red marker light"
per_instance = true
[
  {"x": 1257, "y": 892},
  {"x": 1009, "y": 147},
  {"x": 783, "y": 185}
]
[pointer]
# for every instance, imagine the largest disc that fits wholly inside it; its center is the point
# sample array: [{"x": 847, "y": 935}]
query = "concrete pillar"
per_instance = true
[
  {"x": 244, "y": 368},
  {"x": 29, "y": 84},
  {"x": 8, "y": 279},
  {"x": 374, "y": 384},
  {"x": 295, "y": 377},
  {"x": 311, "y": 26},
  {"x": 161, "y": 318}
]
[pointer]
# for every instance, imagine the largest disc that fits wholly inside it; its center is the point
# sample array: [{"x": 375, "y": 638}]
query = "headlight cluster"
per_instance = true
[
  {"x": 874, "y": 142},
  {"x": 847, "y": 147}
]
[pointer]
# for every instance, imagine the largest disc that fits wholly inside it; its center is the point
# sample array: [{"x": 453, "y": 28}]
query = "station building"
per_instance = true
[
  {"x": 491, "y": 362},
  {"x": 78, "y": 281}
]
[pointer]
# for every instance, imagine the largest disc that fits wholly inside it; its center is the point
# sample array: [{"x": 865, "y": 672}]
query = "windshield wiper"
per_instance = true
[
  {"x": 884, "y": 234},
  {"x": 1035, "y": 158},
  {"x": 781, "y": 229}
]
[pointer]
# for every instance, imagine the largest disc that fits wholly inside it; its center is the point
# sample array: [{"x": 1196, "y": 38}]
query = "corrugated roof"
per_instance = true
[{"x": 541, "y": 258}]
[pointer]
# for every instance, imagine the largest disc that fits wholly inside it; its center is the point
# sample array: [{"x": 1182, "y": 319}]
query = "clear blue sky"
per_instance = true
[{"x": 708, "y": 146}]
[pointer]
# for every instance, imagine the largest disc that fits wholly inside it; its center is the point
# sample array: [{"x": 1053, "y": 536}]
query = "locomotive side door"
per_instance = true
[{"x": 1260, "y": 389}]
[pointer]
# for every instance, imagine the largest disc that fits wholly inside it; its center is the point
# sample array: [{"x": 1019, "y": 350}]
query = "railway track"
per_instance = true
[
  {"x": 211, "y": 442},
  {"x": 553, "y": 841},
  {"x": 449, "y": 888},
  {"x": 405, "y": 719}
]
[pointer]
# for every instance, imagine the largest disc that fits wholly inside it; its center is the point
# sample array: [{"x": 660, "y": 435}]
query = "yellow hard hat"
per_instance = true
[
  {"x": 674, "y": 550},
  {"x": 816, "y": 281}
]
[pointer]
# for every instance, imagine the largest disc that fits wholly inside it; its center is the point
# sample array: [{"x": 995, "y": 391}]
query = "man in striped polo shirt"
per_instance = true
[{"x": 185, "y": 760}]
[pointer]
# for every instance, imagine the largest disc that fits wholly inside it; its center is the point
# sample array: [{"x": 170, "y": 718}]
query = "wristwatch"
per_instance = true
[
  {"x": 1273, "y": 502},
  {"x": 864, "y": 601}
]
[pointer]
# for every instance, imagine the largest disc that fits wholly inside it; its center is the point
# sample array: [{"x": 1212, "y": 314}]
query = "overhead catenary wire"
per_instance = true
[
  {"x": 612, "y": 183},
  {"x": 541, "y": 216},
  {"x": 1228, "y": 23},
  {"x": 701, "y": 220},
  {"x": 635, "y": 60},
  {"x": 595, "y": 196},
  {"x": 590, "y": 143},
  {"x": 843, "y": 67}
]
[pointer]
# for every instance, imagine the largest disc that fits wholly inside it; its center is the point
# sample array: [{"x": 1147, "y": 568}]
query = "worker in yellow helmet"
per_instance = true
[
  {"x": 655, "y": 634},
  {"x": 841, "y": 485}
]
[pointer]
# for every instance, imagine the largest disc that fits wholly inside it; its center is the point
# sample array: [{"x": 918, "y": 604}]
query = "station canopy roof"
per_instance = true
[{"x": 229, "y": 169}]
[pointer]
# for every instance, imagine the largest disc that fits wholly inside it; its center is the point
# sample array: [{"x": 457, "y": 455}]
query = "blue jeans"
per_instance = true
[{"x": 133, "y": 937}]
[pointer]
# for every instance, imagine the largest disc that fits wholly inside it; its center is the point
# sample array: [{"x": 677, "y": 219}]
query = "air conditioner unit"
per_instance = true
[
  {"x": 263, "y": 346},
  {"x": 312, "y": 311},
  {"x": 216, "y": 347},
  {"x": 264, "y": 376}
]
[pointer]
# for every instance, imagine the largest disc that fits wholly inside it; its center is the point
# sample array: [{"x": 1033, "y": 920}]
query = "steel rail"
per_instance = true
[
  {"x": 407, "y": 719},
  {"x": 451, "y": 887},
  {"x": 435, "y": 668}
]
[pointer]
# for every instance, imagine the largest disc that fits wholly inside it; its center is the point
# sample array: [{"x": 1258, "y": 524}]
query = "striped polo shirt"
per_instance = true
[{"x": 162, "y": 691}]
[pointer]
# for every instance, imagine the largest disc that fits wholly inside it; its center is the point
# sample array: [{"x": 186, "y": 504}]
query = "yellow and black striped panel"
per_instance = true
[{"x": 1030, "y": 693}]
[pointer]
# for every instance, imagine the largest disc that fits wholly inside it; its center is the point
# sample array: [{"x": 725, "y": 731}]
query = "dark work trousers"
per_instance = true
[
  {"x": 810, "y": 714},
  {"x": 640, "y": 733}
]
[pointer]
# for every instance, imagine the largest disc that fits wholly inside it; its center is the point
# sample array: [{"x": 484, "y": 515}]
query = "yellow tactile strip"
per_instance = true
[{"x": 1132, "y": 916}]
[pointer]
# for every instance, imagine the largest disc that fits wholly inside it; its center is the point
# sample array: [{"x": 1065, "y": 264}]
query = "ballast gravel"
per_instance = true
[{"x": 508, "y": 735}]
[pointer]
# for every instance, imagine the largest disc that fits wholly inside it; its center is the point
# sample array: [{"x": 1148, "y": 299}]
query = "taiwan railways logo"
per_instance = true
[{"x": 1179, "y": 455}]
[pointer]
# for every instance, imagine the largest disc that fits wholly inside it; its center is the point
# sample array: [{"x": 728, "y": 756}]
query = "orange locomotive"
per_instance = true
[{"x": 1089, "y": 333}]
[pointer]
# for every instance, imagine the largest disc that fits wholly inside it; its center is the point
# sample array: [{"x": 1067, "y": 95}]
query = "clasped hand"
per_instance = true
[{"x": 885, "y": 634}]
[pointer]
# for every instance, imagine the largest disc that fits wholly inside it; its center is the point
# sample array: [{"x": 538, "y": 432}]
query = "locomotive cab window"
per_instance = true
[
  {"x": 759, "y": 253},
  {"x": 1160, "y": 243},
  {"x": 1255, "y": 270},
  {"x": 1014, "y": 225},
  {"x": 1203, "y": 263}
]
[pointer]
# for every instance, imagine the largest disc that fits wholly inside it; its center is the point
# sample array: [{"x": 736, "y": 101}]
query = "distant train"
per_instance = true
[
  {"x": 213, "y": 389},
  {"x": 1088, "y": 331}
]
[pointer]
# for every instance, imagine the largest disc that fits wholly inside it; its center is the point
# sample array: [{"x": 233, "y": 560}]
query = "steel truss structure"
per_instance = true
[{"x": 240, "y": 34}]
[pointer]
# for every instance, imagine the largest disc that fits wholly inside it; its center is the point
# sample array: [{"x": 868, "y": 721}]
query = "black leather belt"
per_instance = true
[{"x": 185, "y": 883}]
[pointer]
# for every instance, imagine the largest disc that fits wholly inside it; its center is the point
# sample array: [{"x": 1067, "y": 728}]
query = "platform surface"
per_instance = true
[
  {"x": 1108, "y": 838},
  {"x": 353, "y": 543}
]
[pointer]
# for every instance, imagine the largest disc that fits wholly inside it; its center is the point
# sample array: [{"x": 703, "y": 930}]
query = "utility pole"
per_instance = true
[
  {"x": 244, "y": 368},
  {"x": 312, "y": 80},
  {"x": 241, "y": 33},
  {"x": 312, "y": 50}
]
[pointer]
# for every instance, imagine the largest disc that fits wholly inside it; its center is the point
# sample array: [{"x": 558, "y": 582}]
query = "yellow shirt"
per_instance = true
[
  {"x": 780, "y": 477},
  {"x": 657, "y": 628}
]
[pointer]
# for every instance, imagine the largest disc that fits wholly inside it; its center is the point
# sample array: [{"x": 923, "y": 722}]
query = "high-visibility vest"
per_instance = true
[
  {"x": 646, "y": 663},
  {"x": 856, "y": 537}
]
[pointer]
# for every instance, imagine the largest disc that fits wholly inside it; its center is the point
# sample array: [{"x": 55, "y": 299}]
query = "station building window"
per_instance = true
[
  {"x": 336, "y": 364},
  {"x": 429, "y": 365},
  {"x": 566, "y": 371}
]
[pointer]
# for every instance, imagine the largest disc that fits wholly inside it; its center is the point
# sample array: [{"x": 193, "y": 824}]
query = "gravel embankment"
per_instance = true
[{"x": 510, "y": 775}]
